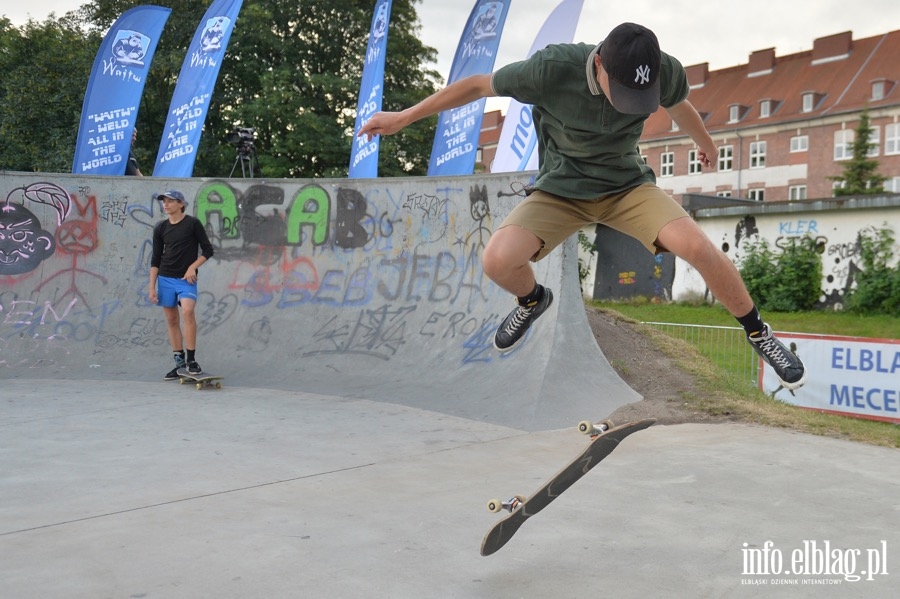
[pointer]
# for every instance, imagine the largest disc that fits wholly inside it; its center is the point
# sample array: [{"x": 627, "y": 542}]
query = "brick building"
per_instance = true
[{"x": 783, "y": 124}]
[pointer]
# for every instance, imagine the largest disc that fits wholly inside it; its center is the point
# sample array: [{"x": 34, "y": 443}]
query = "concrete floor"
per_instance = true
[{"x": 155, "y": 490}]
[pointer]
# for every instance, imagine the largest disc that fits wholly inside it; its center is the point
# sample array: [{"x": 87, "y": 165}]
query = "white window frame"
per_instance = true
[
  {"x": 765, "y": 109},
  {"x": 800, "y": 143},
  {"x": 843, "y": 144},
  {"x": 892, "y": 139},
  {"x": 667, "y": 164},
  {"x": 757, "y": 154},
  {"x": 726, "y": 158},
  {"x": 874, "y": 142},
  {"x": 809, "y": 102},
  {"x": 797, "y": 192},
  {"x": 757, "y": 195},
  {"x": 734, "y": 113},
  {"x": 892, "y": 185},
  {"x": 694, "y": 165},
  {"x": 879, "y": 89},
  {"x": 724, "y": 194}
]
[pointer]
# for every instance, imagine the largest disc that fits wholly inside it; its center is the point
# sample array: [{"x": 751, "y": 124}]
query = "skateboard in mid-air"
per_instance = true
[
  {"x": 605, "y": 437},
  {"x": 201, "y": 380}
]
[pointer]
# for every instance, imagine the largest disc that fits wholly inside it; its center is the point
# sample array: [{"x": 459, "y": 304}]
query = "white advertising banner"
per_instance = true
[{"x": 851, "y": 376}]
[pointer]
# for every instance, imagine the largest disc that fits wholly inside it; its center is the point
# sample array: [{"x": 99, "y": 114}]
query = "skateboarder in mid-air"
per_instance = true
[
  {"x": 180, "y": 247},
  {"x": 589, "y": 105}
]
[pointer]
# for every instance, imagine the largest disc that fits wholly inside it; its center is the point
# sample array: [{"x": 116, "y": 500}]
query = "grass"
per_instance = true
[{"x": 726, "y": 393}]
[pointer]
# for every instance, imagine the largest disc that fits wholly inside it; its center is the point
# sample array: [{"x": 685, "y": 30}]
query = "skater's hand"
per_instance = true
[
  {"x": 154, "y": 298},
  {"x": 382, "y": 123},
  {"x": 191, "y": 275}
]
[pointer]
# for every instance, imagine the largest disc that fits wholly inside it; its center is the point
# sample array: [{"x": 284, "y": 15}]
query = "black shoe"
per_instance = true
[
  {"x": 786, "y": 364},
  {"x": 172, "y": 375},
  {"x": 513, "y": 328},
  {"x": 194, "y": 368}
]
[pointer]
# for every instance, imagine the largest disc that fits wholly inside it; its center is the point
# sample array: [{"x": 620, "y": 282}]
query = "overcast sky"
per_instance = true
[{"x": 722, "y": 33}]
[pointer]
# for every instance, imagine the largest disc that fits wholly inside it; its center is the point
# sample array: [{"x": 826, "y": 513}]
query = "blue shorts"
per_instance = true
[{"x": 172, "y": 291}]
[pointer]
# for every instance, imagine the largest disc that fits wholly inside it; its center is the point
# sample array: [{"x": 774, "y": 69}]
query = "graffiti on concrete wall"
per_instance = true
[
  {"x": 382, "y": 269},
  {"x": 839, "y": 248}
]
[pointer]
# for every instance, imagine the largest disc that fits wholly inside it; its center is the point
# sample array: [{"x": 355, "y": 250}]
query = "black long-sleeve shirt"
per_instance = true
[{"x": 176, "y": 247}]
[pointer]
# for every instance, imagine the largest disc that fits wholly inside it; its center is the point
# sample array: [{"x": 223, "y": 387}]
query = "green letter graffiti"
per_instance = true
[
  {"x": 219, "y": 198},
  {"x": 311, "y": 206}
]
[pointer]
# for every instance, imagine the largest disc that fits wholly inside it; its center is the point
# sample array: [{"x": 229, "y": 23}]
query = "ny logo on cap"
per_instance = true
[{"x": 642, "y": 74}]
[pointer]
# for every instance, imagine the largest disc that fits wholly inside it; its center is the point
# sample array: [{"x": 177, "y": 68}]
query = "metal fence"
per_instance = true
[{"x": 725, "y": 346}]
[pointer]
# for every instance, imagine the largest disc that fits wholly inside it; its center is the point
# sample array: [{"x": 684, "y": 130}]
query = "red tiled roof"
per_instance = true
[{"x": 838, "y": 68}]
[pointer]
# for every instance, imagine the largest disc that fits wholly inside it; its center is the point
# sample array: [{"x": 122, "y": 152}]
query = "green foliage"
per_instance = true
[
  {"x": 41, "y": 93},
  {"x": 292, "y": 71},
  {"x": 860, "y": 172},
  {"x": 789, "y": 281},
  {"x": 877, "y": 288},
  {"x": 586, "y": 246}
]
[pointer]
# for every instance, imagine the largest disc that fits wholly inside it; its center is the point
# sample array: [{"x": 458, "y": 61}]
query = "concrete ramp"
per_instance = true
[{"x": 363, "y": 289}]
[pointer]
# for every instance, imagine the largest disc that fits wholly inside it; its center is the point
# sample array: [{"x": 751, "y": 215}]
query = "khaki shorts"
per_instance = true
[{"x": 640, "y": 212}]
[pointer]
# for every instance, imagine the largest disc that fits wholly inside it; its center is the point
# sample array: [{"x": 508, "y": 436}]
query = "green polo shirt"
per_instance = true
[{"x": 587, "y": 148}]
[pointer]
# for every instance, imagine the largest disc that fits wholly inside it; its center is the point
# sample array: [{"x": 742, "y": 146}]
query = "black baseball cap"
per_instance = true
[{"x": 631, "y": 57}]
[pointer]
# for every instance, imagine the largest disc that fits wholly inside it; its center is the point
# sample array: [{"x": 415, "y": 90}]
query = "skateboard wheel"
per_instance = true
[
  {"x": 608, "y": 424},
  {"x": 199, "y": 386},
  {"x": 180, "y": 381},
  {"x": 218, "y": 385},
  {"x": 494, "y": 505},
  {"x": 585, "y": 427}
]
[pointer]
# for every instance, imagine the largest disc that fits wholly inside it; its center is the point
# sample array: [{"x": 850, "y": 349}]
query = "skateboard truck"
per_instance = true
[
  {"x": 586, "y": 427},
  {"x": 495, "y": 505}
]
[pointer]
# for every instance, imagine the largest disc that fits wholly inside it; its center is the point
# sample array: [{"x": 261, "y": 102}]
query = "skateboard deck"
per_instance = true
[
  {"x": 606, "y": 438},
  {"x": 204, "y": 379}
]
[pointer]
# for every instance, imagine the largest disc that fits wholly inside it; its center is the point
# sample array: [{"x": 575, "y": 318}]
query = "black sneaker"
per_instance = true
[
  {"x": 513, "y": 328},
  {"x": 786, "y": 364},
  {"x": 172, "y": 375},
  {"x": 194, "y": 368}
]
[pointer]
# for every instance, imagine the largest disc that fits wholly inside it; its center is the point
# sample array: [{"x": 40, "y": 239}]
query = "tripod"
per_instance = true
[{"x": 246, "y": 157}]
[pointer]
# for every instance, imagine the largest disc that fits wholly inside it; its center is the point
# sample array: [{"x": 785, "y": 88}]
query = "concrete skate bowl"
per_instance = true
[{"x": 366, "y": 289}]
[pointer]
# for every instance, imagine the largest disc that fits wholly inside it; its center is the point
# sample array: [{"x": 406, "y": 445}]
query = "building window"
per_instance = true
[
  {"x": 800, "y": 143},
  {"x": 757, "y": 154},
  {"x": 724, "y": 194},
  {"x": 667, "y": 164},
  {"x": 892, "y": 139},
  {"x": 797, "y": 192},
  {"x": 674, "y": 125},
  {"x": 874, "y": 142},
  {"x": 892, "y": 185},
  {"x": 736, "y": 112},
  {"x": 809, "y": 102},
  {"x": 843, "y": 144},
  {"x": 757, "y": 195},
  {"x": 878, "y": 90},
  {"x": 726, "y": 154},
  {"x": 694, "y": 166},
  {"x": 644, "y": 158},
  {"x": 766, "y": 108}
]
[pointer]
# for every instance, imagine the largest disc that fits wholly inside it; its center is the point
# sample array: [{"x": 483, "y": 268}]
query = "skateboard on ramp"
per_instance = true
[
  {"x": 201, "y": 380},
  {"x": 605, "y": 437}
]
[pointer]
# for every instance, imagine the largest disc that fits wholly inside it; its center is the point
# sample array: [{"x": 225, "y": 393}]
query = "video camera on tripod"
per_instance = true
[{"x": 243, "y": 139}]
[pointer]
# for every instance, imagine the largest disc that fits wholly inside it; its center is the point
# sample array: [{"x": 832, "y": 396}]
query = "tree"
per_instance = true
[
  {"x": 860, "y": 172},
  {"x": 41, "y": 92},
  {"x": 292, "y": 71}
]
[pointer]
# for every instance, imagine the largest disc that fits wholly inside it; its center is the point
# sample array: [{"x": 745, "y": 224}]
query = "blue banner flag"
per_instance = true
[
  {"x": 190, "y": 102},
  {"x": 517, "y": 147},
  {"x": 114, "y": 91},
  {"x": 364, "y": 150},
  {"x": 458, "y": 129}
]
